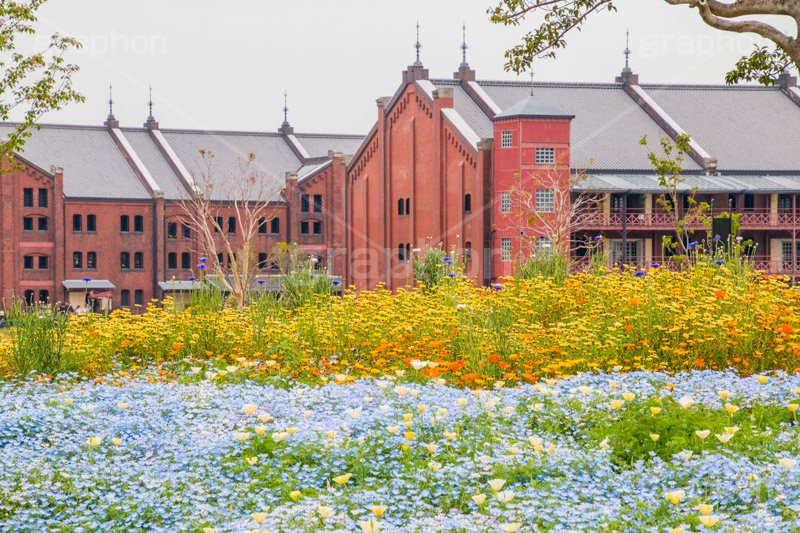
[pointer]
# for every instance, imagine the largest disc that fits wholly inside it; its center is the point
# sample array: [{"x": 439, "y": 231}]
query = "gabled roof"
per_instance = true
[
  {"x": 641, "y": 183},
  {"x": 94, "y": 167},
  {"x": 159, "y": 168},
  {"x": 532, "y": 107},
  {"x": 318, "y": 145}
]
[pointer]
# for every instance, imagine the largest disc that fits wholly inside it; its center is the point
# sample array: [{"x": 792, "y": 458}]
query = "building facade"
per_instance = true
[{"x": 442, "y": 165}]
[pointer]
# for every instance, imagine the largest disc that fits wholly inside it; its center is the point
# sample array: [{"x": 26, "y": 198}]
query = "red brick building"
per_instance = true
[{"x": 438, "y": 166}]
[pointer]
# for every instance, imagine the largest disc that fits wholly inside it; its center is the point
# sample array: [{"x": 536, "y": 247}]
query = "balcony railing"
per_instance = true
[
  {"x": 658, "y": 219},
  {"x": 763, "y": 264}
]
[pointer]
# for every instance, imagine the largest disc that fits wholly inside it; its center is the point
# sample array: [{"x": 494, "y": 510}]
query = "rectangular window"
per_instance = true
[
  {"x": 263, "y": 261},
  {"x": 468, "y": 203},
  {"x": 43, "y": 261},
  {"x": 505, "y": 249},
  {"x": 42, "y": 224},
  {"x": 138, "y": 224},
  {"x": 172, "y": 230},
  {"x": 317, "y": 228},
  {"x": 218, "y": 225},
  {"x": 138, "y": 260},
  {"x": 91, "y": 223},
  {"x": 27, "y": 197},
  {"x": 220, "y": 259},
  {"x": 27, "y": 262},
  {"x": 304, "y": 203},
  {"x": 77, "y": 223},
  {"x": 545, "y": 200},
  {"x": 231, "y": 224},
  {"x": 29, "y": 297},
  {"x": 401, "y": 207},
  {"x": 505, "y": 202},
  {"x": 172, "y": 260},
  {"x": 275, "y": 225},
  {"x": 124, "y": 223},
  {"x": 545, "y": 156},
  {"x": 506, "y": 138},
  {"x": 77, "y": 260},
  {"x": 318, "y": 203},
  {"x": 42, "y": 197},
  {"x": 749, "y": 202},
  {"x": 544, "y": 246},
  {"x": 401, "y": 252},
  {"x": 44, "y": 296},
  {"x": 468, "y": 251},
  {"x": 262, "y": 225},
  {"x": 304, "y": 227},
  {"x": 91, "y": 259},
  {"x": 125, "y": 297},
  {"x": 124, "y": 260},
  {"x": 138, "y": 297},
  {"x": 186, "y": 230},
  {"x": 27, "y": 223},
  {"x": 186, "y": 260},
  {"x": 631, "y": 248}
]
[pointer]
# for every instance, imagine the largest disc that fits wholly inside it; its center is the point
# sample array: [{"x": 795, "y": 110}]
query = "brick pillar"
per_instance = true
[
  {"x": 290, "y": 192},
  {"x": 481, "y": 250},
  {"x": 9, "y": 251},
  {"x": 59, "y": 234},
  {"x": 159, "y": 244}
]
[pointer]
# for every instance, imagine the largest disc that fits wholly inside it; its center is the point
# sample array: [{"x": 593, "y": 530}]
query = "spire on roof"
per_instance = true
[
  {"x": 627, "y": 51},
  {"x": 151, "y": 121},
  {"x": 417, "y": 45},
  {"x": 286, "y": 128},
  {"x": 464, "y": 46},
  {"x": 111, "y": 122},
  {"x": 532, "y": 82}
]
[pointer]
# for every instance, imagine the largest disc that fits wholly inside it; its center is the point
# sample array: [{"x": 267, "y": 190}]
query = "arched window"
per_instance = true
[
  {"x": 401, "y": 253},
  {"x": 468, "y": 203},
  {"x": 408, "y": 206},
  {"x": 124, "y": 223},
  {"x": 77, "y": 223},
  {"x": 186, "y": 230},
  {"x": 401, "y": 207},
  {"x": 138, "y": 223},
  {"x": 262, "y": 225},
  {"x": 231, "y": 224},
  {"x": 172, "y": 230},
  {"x": 275, "y": 225},
  {"x": 172, "y": 260}
]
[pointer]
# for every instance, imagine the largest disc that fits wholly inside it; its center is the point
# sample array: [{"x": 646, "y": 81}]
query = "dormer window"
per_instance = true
[
  {"x": 545, "y": 156},
  {"x": 505, "y": 139}
]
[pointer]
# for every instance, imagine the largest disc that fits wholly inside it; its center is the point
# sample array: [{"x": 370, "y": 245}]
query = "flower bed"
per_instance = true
[{"x": 636, "y": 452}]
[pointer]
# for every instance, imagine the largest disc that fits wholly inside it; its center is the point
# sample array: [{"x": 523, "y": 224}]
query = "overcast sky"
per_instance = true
[{"x": 225, "y": 65}]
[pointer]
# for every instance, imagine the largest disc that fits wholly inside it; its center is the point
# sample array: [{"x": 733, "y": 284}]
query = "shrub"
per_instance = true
[{"x": 38, "y": 336}]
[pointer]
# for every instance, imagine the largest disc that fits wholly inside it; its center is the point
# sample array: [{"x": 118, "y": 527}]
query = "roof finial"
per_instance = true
[
  {"x": 110, "y": 102},
  {"x": 531, "y": 82},
  {"x": 627, "y": 50},
  {"x": 464, "y": 46},
  {"x": 285, "y": 108},
  {"x": 417, "y": 45},
  {"x": 150, "y": 103}
]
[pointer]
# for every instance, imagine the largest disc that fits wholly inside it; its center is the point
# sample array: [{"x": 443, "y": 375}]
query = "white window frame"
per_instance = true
[
  {"x": 505, "y": 249},
  {"x": 616, "y": 250},
  {"x": 544, "y": 246},
  {"x": 505, "y": 202},
  {"x": 545, "y": 156},
  {"x": 545, "y": 200},
  {"x": 506, "y": 139}
]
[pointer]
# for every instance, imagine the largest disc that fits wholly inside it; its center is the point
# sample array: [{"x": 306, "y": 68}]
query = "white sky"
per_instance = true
[{"x": 225, "y": 65}]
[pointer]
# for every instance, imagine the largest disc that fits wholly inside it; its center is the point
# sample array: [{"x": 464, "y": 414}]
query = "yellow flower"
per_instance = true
[
  {"x": 252, "y": 460},
  {"x": 116, "y": 441},
  {"x": 792, "y": 407},
  {"x": 392, "y": 429},
  {"x": 787, "y": 463},
  {"x": 732, "y": 430},
  {"x": 679, "y": 529},
  {"x": 378, "y": 510},
  {"x": 704, "y": 508},
  {"x": 708, "y": 520},
  {"x": 407, "y": 424},
  {"x": 675, "y": 497},
  {"x": 68, "y": 401},
  {"x": 724, "y": 438},
  {"x": 615, "y": 404},
  {"x": 265, "y": 418},
  {"x": 259, "y": 517},
  {"x": 505, "y": 496},
  {"x": 686, "y": 454},
  {"x": 122, "y": 405},
  {"x": 655, "y": 410},
  {"x": 433, "y": 465},
  {"x": 585, "y": 390},
  {"x": 628, "y": 396},
  {"x": 462, "y": 402},
  {"x": 479, "y": 498},
  {"x": 407, "y": 416},
  {"x": 510, "y": 527},
  {"x": 401, "y": 390},
  {"x": 409, "y": 435},
  {"x": 762, "y": 380},
  {"x": 496, "y": 484},
  {"x": 731, "y": 408},
  {"x": 331, "y": 434},
  {"x": 295, "y": 495},
  {"x": 341, "y": 480},
  {"x": 241, "y": 436},
  {"x": 93, "y": 441},
  {"x": 654, "y": 437},
  {"x": 324, "y": 511},
  {"x": 686, "y": 402},
  {"x": 209, "y": 530},
  {"x": 291, "y": 431},
  {"x": 353, "y": 413},
  {"x": 431, "y": 447},
  {"x": 449, "y": 435},
  {"x": 249, "y": 408},
  {"x": 369, "y": 526},
  {"x": 724, "y": 394},
  {"x": 279, "y": 436},
  {"x": 703, "y": 434},
  {"x": 260, "y": 430},
  {"x": 422, "y": 408}
]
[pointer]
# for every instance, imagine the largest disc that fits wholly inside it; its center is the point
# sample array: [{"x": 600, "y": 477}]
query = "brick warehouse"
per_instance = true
[{"x": 438, "y": 166}]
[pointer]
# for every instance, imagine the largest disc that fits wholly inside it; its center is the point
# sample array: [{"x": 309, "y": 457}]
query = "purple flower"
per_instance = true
[
  {"x": 262, "y": 281},
  {"x": 87, "y": 280},
  {"x": 336, "y": 282},
  {"x": 497, "y": 287},
  {"x": 597, "y": 238},
  {"x": 692, "y": 244},
  {"x": 451, "y": 275},
  {"x": 201, "y": 266},
  {"x": 192, "y": 278},
  {"x": 641, "y": 274},
  {"x": 655, "y": 265},
  {"x": 719, "y": 262},
  {"x": 446, "y": 259},
  {"x": 716, "y": 238},
  {"x": 203, "y": 259}
]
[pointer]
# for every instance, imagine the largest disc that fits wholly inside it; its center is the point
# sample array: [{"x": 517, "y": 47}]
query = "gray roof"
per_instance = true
[
  {"x": 607, "y": 127},
  {"x": 95, "y": 284},
  {"x": 533, "y": 107},
  {"x": 311, "y": 169},
  {"x": 318, "y": 145},
  {"x": 745, "y": 128},
  {"x": 701, "y": 183},
  {"x": 155, "y": 163},
  {"x": 93, "y": 165},
  {"x": 470, "y": 111},
  {"x": 179, "y": 285},
  {"x": 273, "y": 156}
]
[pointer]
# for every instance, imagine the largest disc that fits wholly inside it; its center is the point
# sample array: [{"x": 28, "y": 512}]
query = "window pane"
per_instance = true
[
  {"x": 231, "y": 224},
  {"x": 137, "y": 297},
  {"x": 318, "y": 203},
  {"x": 125, "y": 298},
  {"x": 124, "y": 260},
  {"x": 172, "y": 230},
  {"x": 401, "y": 207},
  {"x": 186, "y": 230},
  {"x": 42, "y": 224},
  {"x": 27, "y": 197},
  {"x": 138, "y": 223},
  {"x": 91, "y": 260},
  {"x": 42, "y": 262},
  {"x": 124, "y": 223},
  {"x": 27, "y": 223},
  {"x": 262, "y": 225},
  {"x": 27, "y": 261},
  {"x": 304, "y": 227},
  {"x": 77, "y": 223},
  {"x": 545, "y": 156},
  {"x": 505, "y": 202},
  {"x": 304, "y": 203},
  {"x": 77, "y": 260},
  {"x": 545, "y": 200},
  {"x": 172, "y": 260},
  {"x": 42, "y": 197},
  {"x": 185, "y": 260},
  {"x": 44, "y": 296},
  {"x": 138, "y": 260},
  {"x": 91, "y": 223},
  {"x": 275, "y": 225},
  {"x": 505, "y": 249},
  {"x": 468, "y": 203},
  {"x": 317, "y": 228},
  {"x": 506, "y": 139}
]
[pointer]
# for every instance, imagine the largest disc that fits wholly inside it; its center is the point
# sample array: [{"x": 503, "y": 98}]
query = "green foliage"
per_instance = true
[
  {"x": 38, "y": 337},
  {"x": 762, "y": 65},
  {"x": 288, "y": 256},
  {"x": 553, "y": 265},
  {"x": 305, "y": 285},
  {"x": 435, "y": 267},
  {"x": 35, "y": 83}
]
